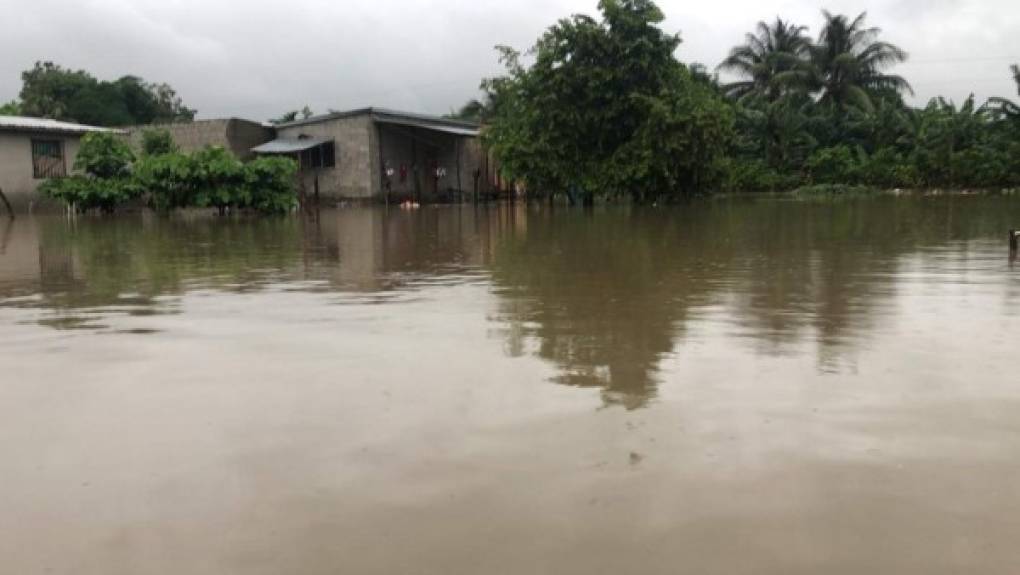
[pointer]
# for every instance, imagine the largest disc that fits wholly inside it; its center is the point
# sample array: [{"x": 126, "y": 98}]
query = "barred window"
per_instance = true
[{"x": 48, "y": 159}]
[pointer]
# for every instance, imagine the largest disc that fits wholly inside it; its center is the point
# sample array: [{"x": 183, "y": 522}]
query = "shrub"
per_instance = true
[
  {"x": 105, "y": 160},
  {"x": 104, "y": 155},
  {"x": 757, "y": 176},
  {"x": 168, "y": 179},
  {"x": 86, "y": 193},
  {"x": 157, "y": 143},
  {"x": 835, "y": 165},
  {"x": 269, "y": 185},
  {"x": 218, "y": 179},
  {"x": 214, "y": 178}
]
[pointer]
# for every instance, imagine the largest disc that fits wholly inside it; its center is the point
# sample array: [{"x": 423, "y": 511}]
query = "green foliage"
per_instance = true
[
  {"x": 104, "y": 155},
  {"x": 773, "y": 62},
  {"x": 829, "y": 114},
  {"x": 168, "y": 180},
  {"x": 269, "y": 185},
  {"x": 849, "y": 63},
  {"x": 86, "y": 193},
  {"x": 208, "y": 178},
  {"x": 51, "y": 91},
  {"x": 837, "y": 165},
  {"x": 106, "y": 182},
  {"x": 214, "y": 178},
  {"x": 293, "y": 115},
  {"x": 12, "y": 108},
  {"x": 157, "y": 142},
  {"x": 606, "y": 110}
]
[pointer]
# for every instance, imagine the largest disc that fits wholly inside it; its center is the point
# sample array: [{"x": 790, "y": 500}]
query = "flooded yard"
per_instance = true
[{"x": 728, "y": 387}]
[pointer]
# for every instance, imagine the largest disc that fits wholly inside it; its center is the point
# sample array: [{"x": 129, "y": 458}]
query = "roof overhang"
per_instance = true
[
  {"x": 45, "y": 125},
  {"x": 394, "y": 118},
  {"x": 289, "y": 145},
  {"x": 463, "y": 131}
]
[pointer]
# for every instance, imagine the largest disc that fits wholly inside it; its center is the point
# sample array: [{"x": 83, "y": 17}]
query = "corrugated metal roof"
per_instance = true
[
  {"x": 26, "y": 124},
  {"x": 288, "y": 145},
  {"x": 382, "y": 115},
  {"x": 435, "y": 127}
]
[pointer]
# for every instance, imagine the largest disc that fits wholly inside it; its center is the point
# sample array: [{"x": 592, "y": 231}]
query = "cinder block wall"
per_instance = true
[
  {"x": 353, "y": 176},
  {"x": 233, "y": 134}
]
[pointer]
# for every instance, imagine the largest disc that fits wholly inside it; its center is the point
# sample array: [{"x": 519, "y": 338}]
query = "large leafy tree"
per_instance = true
[
  {"x": 772, "y": 62},
  {"x": 850, "y": 63},
  {"x": 51, "y": 91},
  {"x": 606, "y": 109}
]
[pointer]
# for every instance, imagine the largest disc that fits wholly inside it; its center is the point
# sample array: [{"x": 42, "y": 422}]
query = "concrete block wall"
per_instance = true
[
  {"x": 353, "y": 176},
  {"x": 237, "y": 136}
]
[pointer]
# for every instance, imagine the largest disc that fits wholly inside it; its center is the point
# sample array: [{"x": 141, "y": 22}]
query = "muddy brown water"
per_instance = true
[{"x": 728, "y": 387}]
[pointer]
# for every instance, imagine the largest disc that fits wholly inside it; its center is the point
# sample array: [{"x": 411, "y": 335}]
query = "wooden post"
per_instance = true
[
  {"x": 460, "y": 186},
  {"x": 1014, "y": 240},
  {"x": 10, "y": 210}
]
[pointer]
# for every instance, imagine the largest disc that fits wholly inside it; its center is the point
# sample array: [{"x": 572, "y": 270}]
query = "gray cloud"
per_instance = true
[{"x": 259, "y": 58}]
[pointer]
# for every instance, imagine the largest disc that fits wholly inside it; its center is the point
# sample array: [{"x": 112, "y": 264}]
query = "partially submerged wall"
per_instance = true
[{"x": 17, "y": 178}]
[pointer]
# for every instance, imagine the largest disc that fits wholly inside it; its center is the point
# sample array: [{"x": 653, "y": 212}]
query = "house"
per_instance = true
[
  {"x": 233, "y": 134},
  {"x": 370, "y": 154},
  {"x": 33, "y": 150},
  {"x": 382, "y": 155}
]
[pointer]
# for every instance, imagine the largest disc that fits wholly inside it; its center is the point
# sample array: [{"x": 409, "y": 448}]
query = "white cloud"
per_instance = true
[{"x": 258, "y": 58}]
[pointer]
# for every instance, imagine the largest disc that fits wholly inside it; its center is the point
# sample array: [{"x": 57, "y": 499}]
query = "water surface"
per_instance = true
[{"x": 731, "y": 386}]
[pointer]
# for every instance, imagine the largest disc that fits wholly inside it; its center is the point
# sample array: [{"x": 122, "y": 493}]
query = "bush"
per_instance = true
[
  {"x": 218, "y": 179},
  {"x": 757, "y": 176},
  {"x": 157, "y": 143},
  {"x": 214, "y": 178},
  {"x": 836, "y": 165},
  {"x": 269, "y": 185},
  {"x": 86, "y": 193},
  {"x": 105, "y": 160},
  {"x": 104, "y": 155}
]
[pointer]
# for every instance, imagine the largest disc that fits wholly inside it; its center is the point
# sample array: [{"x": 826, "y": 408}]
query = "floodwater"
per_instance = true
[{"x": 728, "y": 387}]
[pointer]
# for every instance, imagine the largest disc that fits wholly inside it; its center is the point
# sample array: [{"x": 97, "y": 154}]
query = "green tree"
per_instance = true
[
  {"x": 105, "y": 161},
  {"x": 771, "y": 62},
  {"x": 1005, "y": 106},
  {"x": 293, "y": 115},
  {"x": 606, "y": 110},
  {"x": 104, "y": 155},
  {"x": 51, "y": 91},
  {"x": 473, "y": 111},
  {"x": 850, "y": 63}
]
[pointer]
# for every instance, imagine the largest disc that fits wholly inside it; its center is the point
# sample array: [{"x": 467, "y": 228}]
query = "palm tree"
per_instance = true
[
  {"x": 772, "y": 62},
  {"x": 1004, "y": 106},
  {"x": 850, "y": 62}
]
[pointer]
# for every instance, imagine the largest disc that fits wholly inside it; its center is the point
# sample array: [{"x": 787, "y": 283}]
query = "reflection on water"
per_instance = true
[
  {"x": 603, "y": 295},
  {"x": 685, "y": 373}
]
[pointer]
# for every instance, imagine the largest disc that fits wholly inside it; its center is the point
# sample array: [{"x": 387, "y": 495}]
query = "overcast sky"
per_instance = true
[{"x": 259, "y": 58}]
